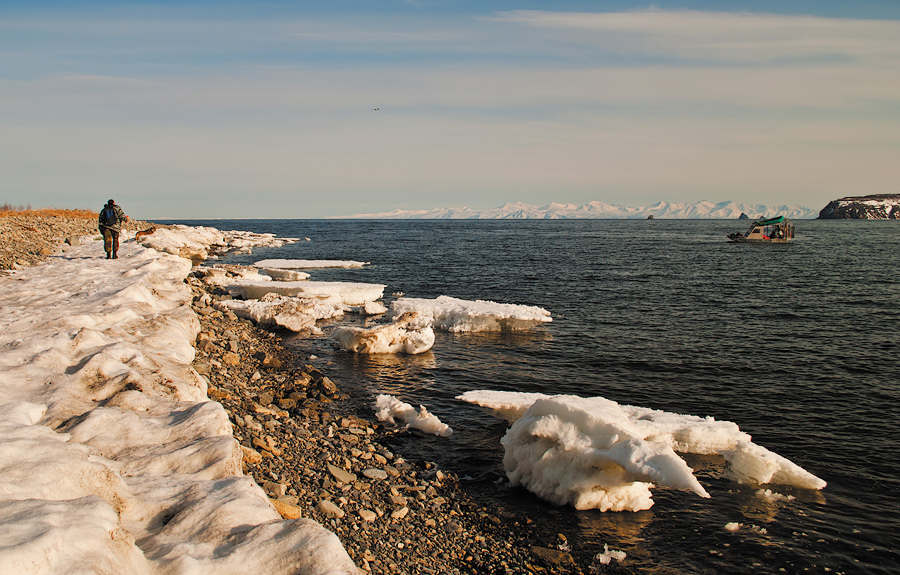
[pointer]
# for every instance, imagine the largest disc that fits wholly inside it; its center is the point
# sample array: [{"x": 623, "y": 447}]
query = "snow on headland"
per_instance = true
[
  {"x": 595, "y": 453},
  {"x": 112, "y": 460}
]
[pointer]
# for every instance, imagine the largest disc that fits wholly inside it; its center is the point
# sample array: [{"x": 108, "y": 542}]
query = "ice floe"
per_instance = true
[
  {"x": 388, "y": 409},
  {"x": 595, "y": 453},
  {"x": 403, "y": 335},
  {"x": 112, "y": 460},
  {"x": 308, "y": 264},
  {"x": 350, "y": 293},
  {"x": 458, "y": 315}
]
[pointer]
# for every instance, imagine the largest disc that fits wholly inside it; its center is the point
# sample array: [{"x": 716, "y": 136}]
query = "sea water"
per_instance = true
[{"x": 798, "y": 344}]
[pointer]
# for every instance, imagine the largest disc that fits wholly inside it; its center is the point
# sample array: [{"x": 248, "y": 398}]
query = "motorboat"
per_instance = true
[{"x": 777, "y": 230}]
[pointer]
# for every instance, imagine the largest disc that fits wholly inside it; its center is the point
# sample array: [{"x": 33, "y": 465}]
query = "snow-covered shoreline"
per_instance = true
[{"x": 112, "y": 458}]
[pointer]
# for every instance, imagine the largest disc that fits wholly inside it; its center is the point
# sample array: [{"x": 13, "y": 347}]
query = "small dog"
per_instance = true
[{"x": 143, "y": 234}]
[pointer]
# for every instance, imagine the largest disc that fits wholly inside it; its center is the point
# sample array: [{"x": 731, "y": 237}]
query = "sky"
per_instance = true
[{"x": 229, "y": 109}]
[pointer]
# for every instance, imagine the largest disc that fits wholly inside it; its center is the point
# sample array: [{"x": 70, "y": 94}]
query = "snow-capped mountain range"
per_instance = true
[{"x": 599, "y": 210}]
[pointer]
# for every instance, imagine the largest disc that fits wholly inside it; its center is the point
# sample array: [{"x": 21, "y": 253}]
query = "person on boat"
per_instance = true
[{"x": 110, "y": 224}]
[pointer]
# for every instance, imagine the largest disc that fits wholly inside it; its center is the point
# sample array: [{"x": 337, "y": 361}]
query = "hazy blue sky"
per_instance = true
[{"x": 268, "y": 109}]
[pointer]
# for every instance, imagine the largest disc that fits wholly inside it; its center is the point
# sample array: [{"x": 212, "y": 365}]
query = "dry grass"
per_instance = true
[{"x": 8, "y": 210}]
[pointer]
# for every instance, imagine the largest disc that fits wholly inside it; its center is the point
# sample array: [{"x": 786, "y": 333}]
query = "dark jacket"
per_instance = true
[{"x": 111, "y": 217}]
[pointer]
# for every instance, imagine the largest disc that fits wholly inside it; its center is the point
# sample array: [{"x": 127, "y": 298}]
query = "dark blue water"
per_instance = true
[{"x": 798, "y": 344}]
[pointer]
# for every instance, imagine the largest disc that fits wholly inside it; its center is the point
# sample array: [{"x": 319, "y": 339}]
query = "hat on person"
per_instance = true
[{"x": 110, "y": 203}]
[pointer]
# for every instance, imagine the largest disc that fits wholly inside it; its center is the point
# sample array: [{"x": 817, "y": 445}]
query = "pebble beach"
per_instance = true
[{"x": 312, "y": 457}]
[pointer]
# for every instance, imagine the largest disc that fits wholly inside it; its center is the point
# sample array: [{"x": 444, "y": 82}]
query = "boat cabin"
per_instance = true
[{"x": 778, "y": 230}]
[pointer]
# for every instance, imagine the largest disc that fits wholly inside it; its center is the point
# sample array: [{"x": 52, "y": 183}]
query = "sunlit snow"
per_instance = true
[
  {"x": 112, "y": 460},
  {"x": 458, "y": 315},
  {"x": 595, "y": 453},
  {"x": 388, "y": 409}
]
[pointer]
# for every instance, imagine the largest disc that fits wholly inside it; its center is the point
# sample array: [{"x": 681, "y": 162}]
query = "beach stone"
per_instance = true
[
  {"x": 276, "y": 489},
  {"x": 328, "y": 386},
  {"x": 552, "y": 556},
  {"x": 231, "y": 358},
  {"x": 453, "y": 527},
  {"x": 251, "y": 455},
  {"x": 400, "y": 513},
  {"x": 326, "y": 507},
  {"x": 73, "y": 241},
  {"x": 266, "y": 398},
  {"x": 374, "y": 473},
  {"x": 287, "y": 510},
  {"x": 341, "y": 475},
  {"x": 287, "y": 403},
  {"x": 368, "y": 515}
]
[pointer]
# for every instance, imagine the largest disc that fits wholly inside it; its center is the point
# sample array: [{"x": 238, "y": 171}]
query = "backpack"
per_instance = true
[{"x": 109, "y": 216}]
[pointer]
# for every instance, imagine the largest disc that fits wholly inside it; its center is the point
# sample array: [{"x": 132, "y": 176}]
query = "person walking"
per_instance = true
[{"x": 110, "y": 224}]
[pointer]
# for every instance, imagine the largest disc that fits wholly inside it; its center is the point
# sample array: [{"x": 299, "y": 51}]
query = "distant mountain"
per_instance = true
[
  {"x": 876, "y": 207},
  {"x": 598, "y": 210}
]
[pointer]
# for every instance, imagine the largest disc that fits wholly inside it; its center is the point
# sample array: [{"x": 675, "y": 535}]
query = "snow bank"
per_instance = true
[
  {"x": 388, "y": 408},
  {"x": 309, "y": 264},
  {"x": 348, "y": 292},
  {"x": 457, "y": 315},
  {"x": 594, "y": 453},
  {"x": 112, "y": 460},
  {"x": 401, "y": 336}
]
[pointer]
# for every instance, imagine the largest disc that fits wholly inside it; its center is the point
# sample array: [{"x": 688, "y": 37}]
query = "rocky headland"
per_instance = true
[{"x": 874, "y": 207}]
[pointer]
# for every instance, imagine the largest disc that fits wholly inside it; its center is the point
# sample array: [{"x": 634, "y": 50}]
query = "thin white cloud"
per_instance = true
[{"x": 721, "y": 36}]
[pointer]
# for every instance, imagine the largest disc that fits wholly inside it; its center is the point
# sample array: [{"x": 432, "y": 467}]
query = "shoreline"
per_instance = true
[
  {"x": 292, "y": 431},
  {"x": 314, "y": 460}
]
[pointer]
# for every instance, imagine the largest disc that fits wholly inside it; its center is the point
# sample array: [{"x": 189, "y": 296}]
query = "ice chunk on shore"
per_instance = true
[
  {"x": 595, "y": 453},
  {"x": 458, "y": 315},
  {"x": 200, "y": 243},
  {"x": 224, "y": 275},
  {"x": 112, "y": 459},
  {"x": 401, "y": 336},
  {"x": 388, "y": 408},
  {"x": 609, "y": 555},
  {"x": 291, "y": 313},
  {"x": 283, "y": 275},
  {"x": 308, "y": 264},
  {"x": 349, "y": 293}
]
